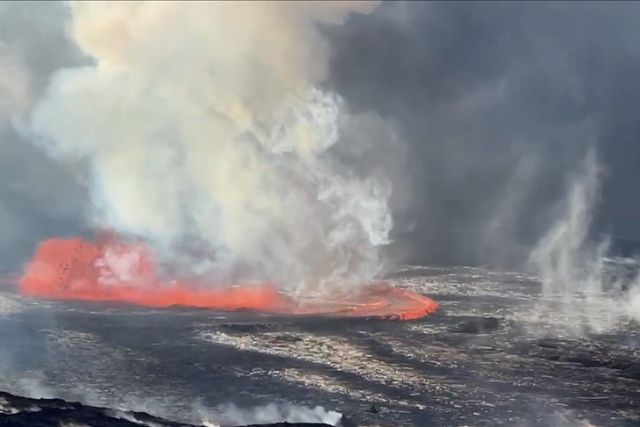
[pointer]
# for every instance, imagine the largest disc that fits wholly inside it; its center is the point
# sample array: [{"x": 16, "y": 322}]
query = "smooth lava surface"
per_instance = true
[{"x": 109, "y": 270}]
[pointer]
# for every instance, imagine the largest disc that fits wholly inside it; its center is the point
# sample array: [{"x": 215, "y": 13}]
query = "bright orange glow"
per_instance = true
[{"x": 75, "y": 269}]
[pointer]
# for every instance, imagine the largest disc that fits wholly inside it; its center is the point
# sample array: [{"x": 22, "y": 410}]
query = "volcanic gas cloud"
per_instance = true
[{"x": 205, "y": 125}]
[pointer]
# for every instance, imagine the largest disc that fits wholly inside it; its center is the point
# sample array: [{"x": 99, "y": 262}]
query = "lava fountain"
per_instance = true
[{"x": 77, "y": 269}]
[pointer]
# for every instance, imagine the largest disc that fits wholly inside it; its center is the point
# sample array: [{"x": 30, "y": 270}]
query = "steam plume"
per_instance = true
[
  {"x": 565, "y": 261},
  {"x": 574, "y": 270},
  {"x": 205, "y": 123}
]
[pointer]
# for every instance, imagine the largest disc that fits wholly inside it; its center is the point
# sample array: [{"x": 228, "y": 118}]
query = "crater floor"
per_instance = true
[{"x": 496, "y": 353}]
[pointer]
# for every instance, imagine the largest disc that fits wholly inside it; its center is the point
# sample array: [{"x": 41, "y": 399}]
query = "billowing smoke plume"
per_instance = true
[{"x": 207, "y": 135}]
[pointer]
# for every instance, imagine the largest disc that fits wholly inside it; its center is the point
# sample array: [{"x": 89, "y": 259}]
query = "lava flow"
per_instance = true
[{"x": 75, "y": 269}]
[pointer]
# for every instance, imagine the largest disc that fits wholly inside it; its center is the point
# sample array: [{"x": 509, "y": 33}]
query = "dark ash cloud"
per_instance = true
[{"x": 498, "y": 102}]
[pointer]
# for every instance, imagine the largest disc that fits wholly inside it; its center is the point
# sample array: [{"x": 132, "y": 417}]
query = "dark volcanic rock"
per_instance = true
[
  {"x": 479, "y": 325},
  {"x": 497, "y": 354},
  {"x": 17, "y": 411}
]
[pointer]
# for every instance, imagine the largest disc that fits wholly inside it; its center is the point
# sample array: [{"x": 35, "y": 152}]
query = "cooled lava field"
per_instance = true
[{"x": 496, "y": 353}]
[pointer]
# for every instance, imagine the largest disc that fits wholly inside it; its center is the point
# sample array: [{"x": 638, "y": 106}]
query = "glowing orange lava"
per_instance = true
[{"x": 75, "y": 269}]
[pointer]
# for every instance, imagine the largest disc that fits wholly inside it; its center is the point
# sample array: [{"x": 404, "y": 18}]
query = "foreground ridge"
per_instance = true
[{"x": 18, "y": 411}]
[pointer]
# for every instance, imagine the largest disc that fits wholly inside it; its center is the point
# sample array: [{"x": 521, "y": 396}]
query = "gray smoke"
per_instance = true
[
  {"x": 521, "y": 122},
  {"x": 38, "y": 197},
  {"x": 499, "y": 103}
]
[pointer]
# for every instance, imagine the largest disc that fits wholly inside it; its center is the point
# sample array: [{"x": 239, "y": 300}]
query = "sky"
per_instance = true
[
  {"x": 498, "y": 103},
  {"x": 495, "y": 106}
]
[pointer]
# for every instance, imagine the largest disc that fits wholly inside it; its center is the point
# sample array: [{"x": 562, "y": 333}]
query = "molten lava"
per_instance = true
[{"x": 75, "y": 269}]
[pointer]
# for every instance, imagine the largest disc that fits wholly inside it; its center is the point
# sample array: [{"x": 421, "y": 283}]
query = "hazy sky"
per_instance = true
[
  {"x": 498, "y": 102},
  {"x": 495, "y": 102}
]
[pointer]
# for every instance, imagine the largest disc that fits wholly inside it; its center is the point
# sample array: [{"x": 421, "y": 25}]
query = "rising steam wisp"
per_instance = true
[{"x": 577, "y": 275}]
